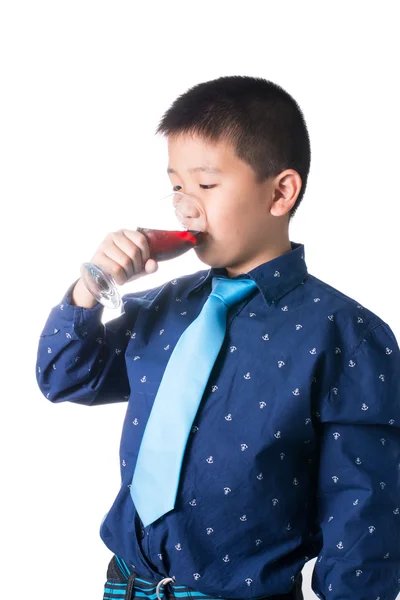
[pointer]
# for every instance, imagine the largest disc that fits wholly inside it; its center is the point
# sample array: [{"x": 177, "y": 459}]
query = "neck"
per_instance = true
[{"x": 265, "y": 256}]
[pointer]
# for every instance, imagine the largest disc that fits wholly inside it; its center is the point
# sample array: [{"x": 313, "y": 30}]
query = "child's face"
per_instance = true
[{"x": 246, "y": 220}]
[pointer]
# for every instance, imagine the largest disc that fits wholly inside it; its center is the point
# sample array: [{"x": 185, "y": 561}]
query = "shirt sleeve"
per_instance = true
[
  {"x": 359, "y": 476},
  {"x": 81, "y": 360}
]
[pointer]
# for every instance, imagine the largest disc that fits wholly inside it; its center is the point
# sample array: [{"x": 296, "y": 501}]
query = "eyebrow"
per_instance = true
[{"x": 203, "y": 169}]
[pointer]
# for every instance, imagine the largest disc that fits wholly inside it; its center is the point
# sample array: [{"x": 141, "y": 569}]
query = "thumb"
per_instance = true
[{"x": 151, "y": 266}]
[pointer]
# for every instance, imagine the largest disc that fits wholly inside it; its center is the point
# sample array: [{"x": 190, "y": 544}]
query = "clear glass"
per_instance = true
[{"x": 176, "y": 224}]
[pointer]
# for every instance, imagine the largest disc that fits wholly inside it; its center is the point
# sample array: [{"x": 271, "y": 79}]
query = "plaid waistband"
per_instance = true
[{"x": 123, "y": 584}]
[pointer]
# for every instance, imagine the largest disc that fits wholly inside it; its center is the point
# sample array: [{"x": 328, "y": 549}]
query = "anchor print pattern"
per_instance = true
[{"x": 306, "y": 379}]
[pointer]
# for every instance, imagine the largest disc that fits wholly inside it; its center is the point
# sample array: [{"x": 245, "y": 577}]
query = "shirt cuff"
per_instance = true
[{"x": 77, "y": 319}]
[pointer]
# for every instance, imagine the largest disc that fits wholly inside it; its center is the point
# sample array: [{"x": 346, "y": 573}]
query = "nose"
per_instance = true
[
  {"x": 189, "y": 212},
  {"x": 186, "y": 206}
]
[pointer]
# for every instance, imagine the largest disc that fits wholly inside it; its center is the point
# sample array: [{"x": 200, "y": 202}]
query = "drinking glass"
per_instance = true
[{"x": 176, "y": 223}]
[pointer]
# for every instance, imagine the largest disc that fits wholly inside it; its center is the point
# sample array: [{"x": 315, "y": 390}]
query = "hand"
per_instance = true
[{"x": 125, "y": 255}]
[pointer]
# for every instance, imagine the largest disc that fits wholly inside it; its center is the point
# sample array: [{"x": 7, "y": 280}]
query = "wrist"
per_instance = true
[{"x": 82, "y": 297}]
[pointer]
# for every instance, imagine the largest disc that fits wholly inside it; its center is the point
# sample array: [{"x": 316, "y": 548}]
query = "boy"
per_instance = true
[{"x": 292, "y": 449}]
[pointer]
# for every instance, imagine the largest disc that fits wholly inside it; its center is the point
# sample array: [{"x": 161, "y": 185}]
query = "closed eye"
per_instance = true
[{"x": 203, "y": 187}]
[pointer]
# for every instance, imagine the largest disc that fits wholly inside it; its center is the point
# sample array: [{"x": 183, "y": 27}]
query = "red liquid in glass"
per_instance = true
[{"x": 165, "y": 245}]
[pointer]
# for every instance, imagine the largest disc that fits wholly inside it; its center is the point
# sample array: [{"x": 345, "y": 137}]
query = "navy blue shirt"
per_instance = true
[{"x": 294, "y": 452}]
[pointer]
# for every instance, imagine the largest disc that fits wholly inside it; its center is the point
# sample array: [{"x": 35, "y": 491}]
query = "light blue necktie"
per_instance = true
[{"x": 156, "y": 477}]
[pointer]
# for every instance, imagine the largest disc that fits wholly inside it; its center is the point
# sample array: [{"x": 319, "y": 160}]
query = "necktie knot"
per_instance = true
[{"x": 232, "y": 291}]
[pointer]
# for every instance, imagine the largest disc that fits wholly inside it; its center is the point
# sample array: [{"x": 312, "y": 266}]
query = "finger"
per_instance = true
[
  {"x": 130, "y": 249},
  {"x": 140, "y": 240},
  {"x": 110, "y": 266},
  {"x": 122, "y": 267}
]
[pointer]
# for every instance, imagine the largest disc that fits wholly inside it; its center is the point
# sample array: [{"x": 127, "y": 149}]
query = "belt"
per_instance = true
[{"x": 124, "y": 584}]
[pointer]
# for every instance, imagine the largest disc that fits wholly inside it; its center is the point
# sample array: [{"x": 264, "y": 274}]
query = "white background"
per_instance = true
[{"x": 83, "y": 86}]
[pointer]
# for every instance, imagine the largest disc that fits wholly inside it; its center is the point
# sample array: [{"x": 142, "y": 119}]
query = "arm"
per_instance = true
[
  {"x": 359, "y": 478},
  {"x": 81, "y": 360}
]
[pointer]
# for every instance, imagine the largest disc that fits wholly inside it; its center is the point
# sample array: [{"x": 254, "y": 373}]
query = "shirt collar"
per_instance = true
[{"x": 274, "y": 278}]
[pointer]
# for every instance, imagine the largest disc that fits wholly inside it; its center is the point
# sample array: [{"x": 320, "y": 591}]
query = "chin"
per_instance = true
[{"x": 210, "y": 258}]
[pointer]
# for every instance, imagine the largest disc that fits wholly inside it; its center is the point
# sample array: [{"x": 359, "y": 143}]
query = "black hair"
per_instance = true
[{"x": 259, "y": 118}]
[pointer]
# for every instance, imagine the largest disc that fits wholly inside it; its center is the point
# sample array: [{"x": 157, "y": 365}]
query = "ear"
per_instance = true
[{"x": 287, "y": 186}]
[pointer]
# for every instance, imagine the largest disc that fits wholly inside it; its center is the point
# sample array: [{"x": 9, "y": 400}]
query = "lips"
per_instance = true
[{"x": 201, "y": 237}]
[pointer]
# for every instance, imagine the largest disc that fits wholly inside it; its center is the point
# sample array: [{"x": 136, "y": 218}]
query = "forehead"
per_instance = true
[{"x": 187, "y": 152}]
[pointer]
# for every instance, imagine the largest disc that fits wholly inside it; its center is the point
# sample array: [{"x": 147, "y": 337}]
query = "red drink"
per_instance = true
[{"x": 165, "y": 244}]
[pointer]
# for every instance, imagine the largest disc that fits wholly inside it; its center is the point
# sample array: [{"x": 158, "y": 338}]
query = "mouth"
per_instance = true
[{"x": 200, "y": 237}]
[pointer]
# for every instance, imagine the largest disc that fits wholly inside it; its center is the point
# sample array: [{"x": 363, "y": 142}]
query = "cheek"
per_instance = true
[
  {"x": 228, "y": 217},
  {"x": 224, "y": 223}
]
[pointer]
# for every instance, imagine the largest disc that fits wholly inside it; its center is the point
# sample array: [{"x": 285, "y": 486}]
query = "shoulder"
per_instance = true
[
  {"x": 364, "y": 383},
  {"x": 352, "y": 318}
]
